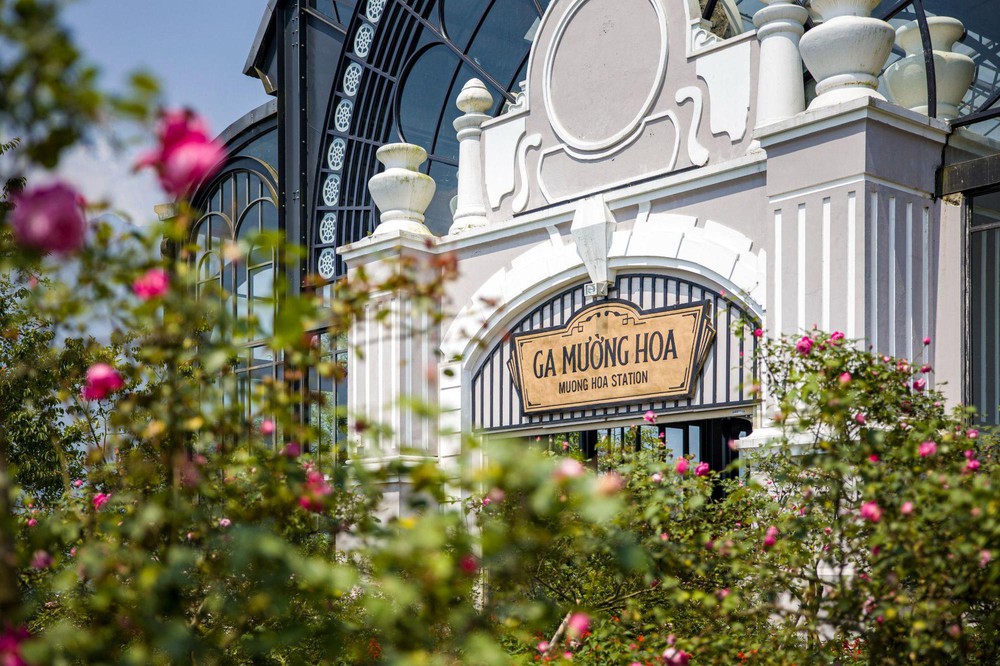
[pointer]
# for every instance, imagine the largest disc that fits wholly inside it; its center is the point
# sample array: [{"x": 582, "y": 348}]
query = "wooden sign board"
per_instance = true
[{"x": 611, "y": 352}]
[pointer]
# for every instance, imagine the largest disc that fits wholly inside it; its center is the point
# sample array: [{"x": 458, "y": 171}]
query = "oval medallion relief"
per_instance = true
[{"x": 604, "y": 70}]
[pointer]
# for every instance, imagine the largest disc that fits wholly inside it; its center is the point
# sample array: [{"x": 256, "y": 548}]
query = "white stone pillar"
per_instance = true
[
  {"x": 845, "y": 53},
  {"x": 401, "y": 193},
  {"x": 473, "y": 101},
  {"x": 780, "y": 89}
]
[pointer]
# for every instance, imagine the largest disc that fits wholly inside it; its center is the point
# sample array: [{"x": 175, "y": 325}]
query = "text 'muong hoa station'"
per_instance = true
[{"x": 612, "y": 352}]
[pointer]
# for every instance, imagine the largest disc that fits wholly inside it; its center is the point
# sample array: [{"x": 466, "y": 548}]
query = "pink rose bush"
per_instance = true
[{"x": 186, "y": 154}]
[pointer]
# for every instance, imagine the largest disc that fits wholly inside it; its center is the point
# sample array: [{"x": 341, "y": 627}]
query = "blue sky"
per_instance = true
[{"x": 196, "y": 48}]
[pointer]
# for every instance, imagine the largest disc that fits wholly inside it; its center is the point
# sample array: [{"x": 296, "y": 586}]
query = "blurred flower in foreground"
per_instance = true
[
  {"x": 151, "y": 284},
  {"x": 50, "y": 219},
  {"x": 186, "y": 156},
  {"x": 102, "y": 379}
]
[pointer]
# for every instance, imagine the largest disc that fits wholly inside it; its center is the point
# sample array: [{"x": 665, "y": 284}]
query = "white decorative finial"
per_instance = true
[
  {"x": 474, "y": 101},
  {"x": 401, "y": 193},
  {"x": 845, "y": 53},
  {"x": 906, "y": 79}
]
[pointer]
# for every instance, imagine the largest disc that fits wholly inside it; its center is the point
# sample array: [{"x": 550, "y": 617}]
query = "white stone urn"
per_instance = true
[
  {"x": 906, "y": 79},
  {"x": 401, "y": 193},
  {"x": 845, "y": 53}
]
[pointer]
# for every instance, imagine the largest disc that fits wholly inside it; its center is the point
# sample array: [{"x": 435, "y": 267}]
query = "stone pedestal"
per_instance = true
[
  {"x": 846, "y": 52},
  {"x": 401, "y": 193},
  {"x": 470, "y": 209},
  {"x": 780, "y": 91},
  {"x": 906, "y": 80}
]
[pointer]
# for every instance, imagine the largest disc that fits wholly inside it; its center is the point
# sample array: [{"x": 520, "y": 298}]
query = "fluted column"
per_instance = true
[
  {"x": 473, "y": 101},
  {"x": 401, "y": 193},
  {"x": 780, "y": 90}
]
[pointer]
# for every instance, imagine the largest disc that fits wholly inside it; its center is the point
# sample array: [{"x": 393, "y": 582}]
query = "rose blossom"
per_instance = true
[
  {"x": 927, "y": 340},
  {"x": 186, "y": 154},
  {"x": 771, "y": 536},
  {"x": 649, "y": 417},
  {"x": 568, "y": 468},
  {"x": 316, "y": 488},
  {"x": 578, "y": 624},
  {"x": 152, "y": 284},
  {"x": 267, "y": 427},
  {"x": 468, "y": 564},
  {"x": 10, "y": 646},
  {"x": 984, "y": 558},
  {"x": 845, "y": 378},
  {"x": 971, "y": 466},
  {"x": 49, "y": 219},
  {"x": 758, "y": 332},
  {"x": 682, "y": 465},
  {"x": 100, "y": 499},
  {"x": 32, "y": 522},
  {"x": 657, "y": 477},
  {"x": 836, "y": 336},
  {"x": 41, "y": 560},
  {"x": 906, "y": 509},
  {"x": 543, "y": 647},
  {"x": 871, "y": 511},
  {"x": 927, "y": 449},
  {"x": 919, "y": 384},
  {"x": 675, "y": 657},
  {"x": 102, "y": 379},
  {"x": 225, "y": 522},
  {"x": 804, "y": 345},
  {"x": 972, "y": 434},
  {"x": 701, "y": 469},
  {"x": 860, "y": 418},
  {"x": 77, "y": 483}
]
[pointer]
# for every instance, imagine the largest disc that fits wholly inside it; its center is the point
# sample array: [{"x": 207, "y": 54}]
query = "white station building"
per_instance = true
[{"x": 658, "y": 179}]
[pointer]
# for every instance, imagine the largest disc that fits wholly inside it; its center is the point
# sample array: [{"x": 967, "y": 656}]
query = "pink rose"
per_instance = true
[
  {"x": 77, "y": 483},
  {"x": 543, "y": 647},
  {"x": 568, "y": 468},
  {"x": 770, "y": 537},
  {"x": 926, "y": 368},
  {"x": 920, "y": 384},
  {"x": 579, "y": 624},
  {"x": 927, "y": 340},
  {"x": 804, "y": 345},
  {"x": 675, "y": 657},
  {"x": 649, "y": 417},
  {"x": 565, "y": 446},
  {"x": 151, "y": 284},
  {"x": 701, "y": 469},
  {"x": 41, "y": 560},
  {"x": 49, "y": 219},
  {"x": 316, "y": 488},
  {"x": 984, "y": 558},
  {"x": 267, "y": 427},
  {"x": 836, "y": 336},
  {"x": 873, "y": 458},
  {"x": 186, "y": 155},
  {"x": 906, "y": 509},
  {"x": 487, "y": 501},
  {"x": 225, "y": 522},
  {"x": 292, "y": 450},
  {"x": 100, "y": 499},
  {"x": 860, "y": 418},
  {"x": 758, "y": 332},
  {"x": 971, "y": 466},
  {"x": 102, "y": 379},
  {"x": 972, "y": 434},
  {"x": 32, "y": 522},
  {"x": 871, "y": 512},
  {"x": 927, "y": 449},
  {"x": 657, "y": 477},
  {"x": 468, "y": 564},
  {"x": 10, "y": 646},
  {"x": 845, "y": 378},
  {"x": 682, "y": 465}
]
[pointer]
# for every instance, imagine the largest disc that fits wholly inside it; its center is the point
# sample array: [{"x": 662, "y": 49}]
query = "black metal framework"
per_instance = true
[{"x": 724, "y": 383}]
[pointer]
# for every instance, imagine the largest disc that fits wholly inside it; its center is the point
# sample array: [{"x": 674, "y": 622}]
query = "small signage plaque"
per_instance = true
[{"x": 612, "y": 352}]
